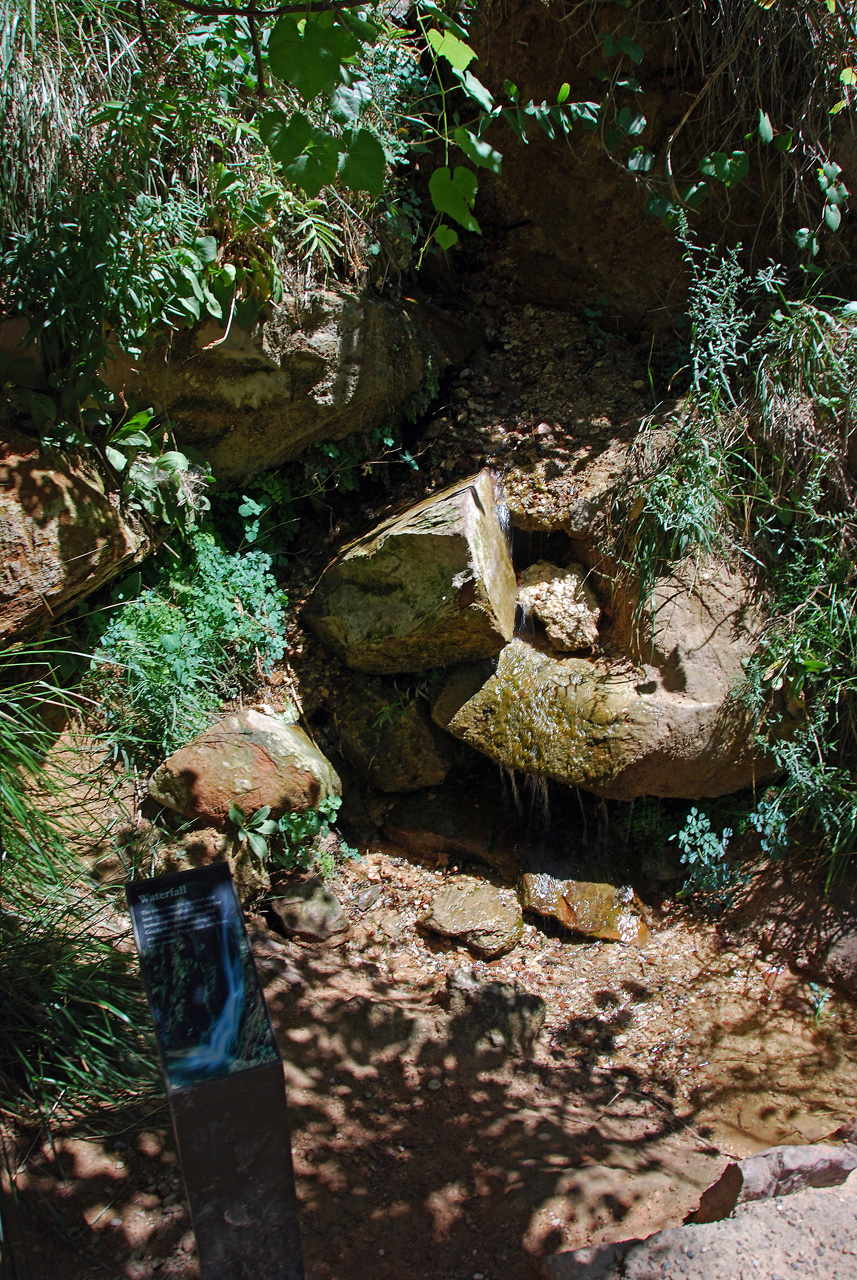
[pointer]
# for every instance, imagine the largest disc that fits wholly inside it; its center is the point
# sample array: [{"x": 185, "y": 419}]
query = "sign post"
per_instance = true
[{"x": 223, "y": 1072}]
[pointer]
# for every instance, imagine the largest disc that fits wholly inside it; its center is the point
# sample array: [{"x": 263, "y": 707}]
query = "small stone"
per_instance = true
[
  {"x": 434, "y": 1085},
  {"x": 188, "y": 1242}
]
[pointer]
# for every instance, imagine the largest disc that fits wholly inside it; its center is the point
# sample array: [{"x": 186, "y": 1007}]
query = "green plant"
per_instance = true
[
  {"x": 72, "y": 1005},
  {"x": 296, "y": 839},
  {"x": 710, "y": 873},
  {"x": 167, "y": 657},
  {"x": 256, "y": 830}
]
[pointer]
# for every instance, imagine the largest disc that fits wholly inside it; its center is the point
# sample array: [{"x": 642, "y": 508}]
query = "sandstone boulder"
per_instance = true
[
  {"x": 390, "y": 738},
  {"x": 430, "y": 588},
  {"x": 564, "y": 602},
  {"x": 485, "y": 918},
  {"x": 318, "y": 367},
  {"x": 655, "y": 714},
  {"x": 607, "y": 911},
  {"x": 61, "y": 537},
  {"x": 250, "y": 759}
]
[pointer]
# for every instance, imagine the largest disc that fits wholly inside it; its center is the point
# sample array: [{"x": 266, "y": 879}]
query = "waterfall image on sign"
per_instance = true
[{"x": 214, "y": 1055}]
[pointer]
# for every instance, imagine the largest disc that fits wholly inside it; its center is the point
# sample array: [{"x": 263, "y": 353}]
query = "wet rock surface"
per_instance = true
[
  {"x": 250, "y": 759},
  {"x": 430, "y": 588},
  {"x": 607, "y": 911},
  {"x": 483, "y": 917}
]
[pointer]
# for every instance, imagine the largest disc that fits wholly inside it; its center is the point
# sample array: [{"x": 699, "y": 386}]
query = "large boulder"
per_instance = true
[
  {"x": 61, "y": 537},
  {"x": 390, "y": 738},
  {"x": 655, "y": 715},
  {"x": 250, "y": 759},
  {"x": 429, "y": 588},
  {"x": 317, "y": 367}
]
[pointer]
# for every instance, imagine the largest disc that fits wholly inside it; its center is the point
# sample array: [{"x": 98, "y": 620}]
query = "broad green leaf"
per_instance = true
[
  {"x": 443, "y": 19},
  {"x": 310, "y": 59},
  {"x": 659, "y": 206},
  {"x": 116, "y": 459},
  {"x": 478, "y": 150},
  {"x": 614, "y": 45},
  {"x": 511, "y": 90},
  {"x": 694, "y": 195},
  {"x": 362, "y": 28},
  {"x": 316, "y": 167},
  {"x": 446, "y": 45},
  {"x": 257, "y": 843},
  {"x": 832, "y": 216},
  {"x": 236, "y": 815},
  {"x": 446, "y": 236},
  {"x": 348, "y": 101},
  {"x": 766, "y": 129},
  {"x": 613, "y": 138},
  {"x": 848, "y": 76},
  {"x": 631, "y": 122},
  {"x": 453, "y": 194},
  {"x": 206, "y": 249},
  {"x": 784, "y": 141},
  {"x": 362, "y": 166},
  {"x": 640, "y": 160},
  {"x": 475, "y": 89},
  {"x": 286, "y": 137}
]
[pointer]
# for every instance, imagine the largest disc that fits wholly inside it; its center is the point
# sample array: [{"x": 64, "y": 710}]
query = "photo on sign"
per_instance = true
[{"x": 209, "y": 1012}]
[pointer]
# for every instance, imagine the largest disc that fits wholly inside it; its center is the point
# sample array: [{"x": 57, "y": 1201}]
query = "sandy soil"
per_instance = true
[{"x": 416, "y": 1159}]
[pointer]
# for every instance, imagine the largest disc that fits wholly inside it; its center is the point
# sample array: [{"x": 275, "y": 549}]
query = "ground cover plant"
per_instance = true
[{"x": 756, "y": 468}]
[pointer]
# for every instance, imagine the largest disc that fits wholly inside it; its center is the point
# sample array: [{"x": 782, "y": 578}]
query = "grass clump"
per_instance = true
[
  {"x": 72, "y": 1004},
  {"x": 756, "y": 468}
]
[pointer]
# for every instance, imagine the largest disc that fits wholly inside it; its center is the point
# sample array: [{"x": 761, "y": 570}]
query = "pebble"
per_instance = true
[{"x": 434, "y": 1084}]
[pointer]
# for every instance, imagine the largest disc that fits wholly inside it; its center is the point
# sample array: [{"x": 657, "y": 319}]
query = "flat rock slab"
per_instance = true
[
  {"x": 309, "y": 911},
  {"x": 485, "y": 918},
  {"x": 433, "y": 587},
  {"x": 607, "y": 911},
  {"x": 249, "y": 759},
  {"x": 779, "y": 1171},
  {"x": 812, "y": 1234}
]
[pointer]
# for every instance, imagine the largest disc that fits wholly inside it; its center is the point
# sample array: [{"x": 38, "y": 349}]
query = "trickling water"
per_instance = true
[{"x": 536, "y": 793}]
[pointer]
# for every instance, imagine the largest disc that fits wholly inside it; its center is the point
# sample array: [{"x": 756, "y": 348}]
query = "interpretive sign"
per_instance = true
[{"x": 223, "y": 1072}]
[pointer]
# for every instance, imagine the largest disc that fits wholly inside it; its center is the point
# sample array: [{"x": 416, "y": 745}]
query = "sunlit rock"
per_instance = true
[
  {"x": 564, "y": 602},
  {"x": 61, "y": 536},
  {"x": 607, "y": 911},
  {"x": 485, "y": 918},
  {"x": 309, "y": 911},
  {"x": 432, "y": 587},
  {"x": 249, "y": 759}
]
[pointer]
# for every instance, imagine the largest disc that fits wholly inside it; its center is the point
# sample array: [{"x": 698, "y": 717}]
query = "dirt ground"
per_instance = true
[{"x": 414, "y": 1157}]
